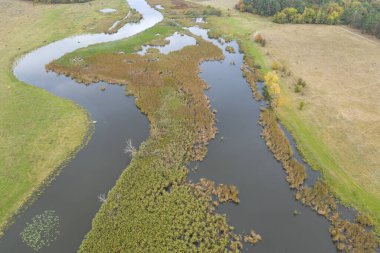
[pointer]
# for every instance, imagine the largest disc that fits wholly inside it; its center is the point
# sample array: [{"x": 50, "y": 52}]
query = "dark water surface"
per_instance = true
[
  {"x": 242, "y": 158},
  {"x": 95, "y": 169}
]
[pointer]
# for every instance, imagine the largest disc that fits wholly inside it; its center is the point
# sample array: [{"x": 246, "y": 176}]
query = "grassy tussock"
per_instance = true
[{"x": 152, "y": 206}]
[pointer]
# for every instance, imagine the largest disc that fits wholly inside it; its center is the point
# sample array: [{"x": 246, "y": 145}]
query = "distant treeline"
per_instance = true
[
  {"x": 60, "y": 1},
  {"x": 361, "y": 14}
]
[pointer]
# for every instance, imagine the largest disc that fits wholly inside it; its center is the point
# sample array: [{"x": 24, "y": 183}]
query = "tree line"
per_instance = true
[{"x": 360, "y": 14}]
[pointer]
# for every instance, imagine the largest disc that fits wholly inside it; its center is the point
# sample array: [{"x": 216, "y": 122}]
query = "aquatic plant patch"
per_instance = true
[
  {"x": 41, "y": 231},
  {"x": 230, "y": 49}
]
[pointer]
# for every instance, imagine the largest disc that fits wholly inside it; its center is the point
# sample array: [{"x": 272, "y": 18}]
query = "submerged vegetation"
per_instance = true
[
  {"x": 260, "y": 39},
  {"x": 153, "y": 204}
]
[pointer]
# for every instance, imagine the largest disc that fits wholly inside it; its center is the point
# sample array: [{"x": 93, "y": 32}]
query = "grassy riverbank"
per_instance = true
[
  {"x": 38, "y": 131},
  {"x": 337, "y": 128},
  {"x": 153, "y": 207}
]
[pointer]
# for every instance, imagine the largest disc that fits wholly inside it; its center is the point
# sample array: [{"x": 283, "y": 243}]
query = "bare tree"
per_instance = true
[
  {"x": 102, "y": 198},
  {"x": 129, "y": 149}
]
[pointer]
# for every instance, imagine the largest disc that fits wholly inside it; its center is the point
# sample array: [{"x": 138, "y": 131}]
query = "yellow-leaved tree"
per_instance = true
[{"x": 271, "y": 81}]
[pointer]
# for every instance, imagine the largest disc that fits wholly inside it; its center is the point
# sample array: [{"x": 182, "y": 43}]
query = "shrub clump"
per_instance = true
[
  {"x": 301, "y": 105},
  {"x": 275, "y": 65},
  {"x": 260, "y": 39},
  {"x": 211, "y": 11},
  {"x": 301, "y": 82}
]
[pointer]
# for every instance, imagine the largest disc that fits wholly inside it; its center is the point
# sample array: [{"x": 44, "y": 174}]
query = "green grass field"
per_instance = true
[{"x": 38, "y": 131}]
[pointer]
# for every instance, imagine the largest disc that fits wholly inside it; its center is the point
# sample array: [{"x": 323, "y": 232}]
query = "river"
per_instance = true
[{"x": 241, "y": 158}]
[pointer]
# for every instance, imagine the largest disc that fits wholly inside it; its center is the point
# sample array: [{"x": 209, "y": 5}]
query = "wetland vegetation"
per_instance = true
[{"x": 152, "y": 203}]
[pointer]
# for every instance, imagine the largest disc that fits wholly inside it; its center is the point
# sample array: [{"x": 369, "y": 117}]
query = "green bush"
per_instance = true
[
  {"x": 301, "y": 106},
  {"x": 211, "y": 11}
]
